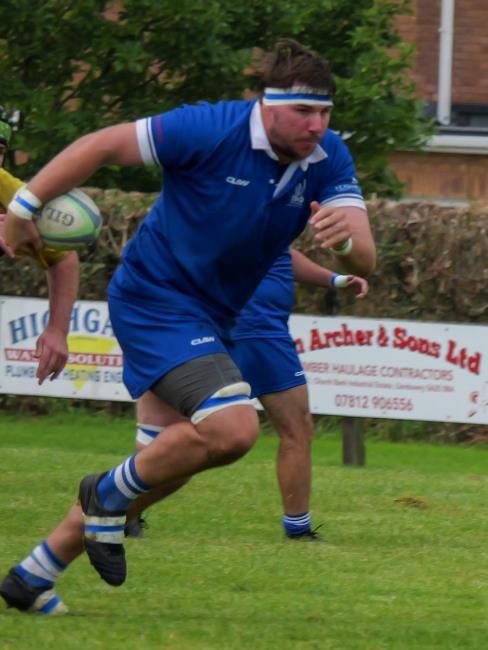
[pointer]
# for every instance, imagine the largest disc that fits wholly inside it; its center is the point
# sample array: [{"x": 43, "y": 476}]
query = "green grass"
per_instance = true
[{"x": 404, "y": 566}]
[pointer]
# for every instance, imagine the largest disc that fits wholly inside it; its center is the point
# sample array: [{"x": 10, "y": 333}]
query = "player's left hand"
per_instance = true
[
  {"x": 52, "y": 352},
  {"x": 356, "y": 285},
  {"x": 331, "y": 225},
  {"x": 21, "y": 235}
]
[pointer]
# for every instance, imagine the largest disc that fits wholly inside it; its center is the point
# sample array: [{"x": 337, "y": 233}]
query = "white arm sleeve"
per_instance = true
[{"x": 146, "y": 142}]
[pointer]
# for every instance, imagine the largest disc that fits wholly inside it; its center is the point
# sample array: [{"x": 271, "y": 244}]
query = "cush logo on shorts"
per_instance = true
[{"x": 202, "y": 340}]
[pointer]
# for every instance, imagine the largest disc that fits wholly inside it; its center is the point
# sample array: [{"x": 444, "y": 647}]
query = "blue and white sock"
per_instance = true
[
  {"x": 41, "y": 568},
  {"x": 297, "y": 524},
  {"x": 120, "y": 486}
]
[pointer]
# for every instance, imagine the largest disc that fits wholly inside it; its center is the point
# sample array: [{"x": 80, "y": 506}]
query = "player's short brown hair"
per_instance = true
[{"x": 291, "y": 63}]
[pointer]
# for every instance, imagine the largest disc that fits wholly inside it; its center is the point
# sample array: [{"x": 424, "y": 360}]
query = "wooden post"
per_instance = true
[{"x": 353, "y": 448}]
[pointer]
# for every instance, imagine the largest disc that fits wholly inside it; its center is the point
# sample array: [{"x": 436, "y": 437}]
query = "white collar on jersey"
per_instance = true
[{"x": 259, "y": 140}]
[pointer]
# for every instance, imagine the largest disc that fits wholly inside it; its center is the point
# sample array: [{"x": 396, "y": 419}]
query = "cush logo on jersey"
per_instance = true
[
  {"x": 237, "y": 181},
  {"x": 298, "y": 198}
]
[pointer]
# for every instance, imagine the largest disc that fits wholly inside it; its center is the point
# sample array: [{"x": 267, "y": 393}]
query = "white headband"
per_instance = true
[{"x": 297, "y": 95}]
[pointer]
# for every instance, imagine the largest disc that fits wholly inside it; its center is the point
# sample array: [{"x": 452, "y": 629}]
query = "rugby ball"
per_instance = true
[{"x": 69, "y": 221}]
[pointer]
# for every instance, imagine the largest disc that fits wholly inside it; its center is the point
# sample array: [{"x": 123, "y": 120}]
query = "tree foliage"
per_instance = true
[{"x": 72, "y": 67}]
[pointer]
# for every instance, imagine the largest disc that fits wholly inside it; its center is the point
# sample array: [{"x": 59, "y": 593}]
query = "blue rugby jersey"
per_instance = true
[
  {"x": 222, "y": 218},
  {"x": 266, "y": 313}
]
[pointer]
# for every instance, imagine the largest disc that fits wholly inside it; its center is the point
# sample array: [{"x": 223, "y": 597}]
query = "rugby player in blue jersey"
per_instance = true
[
  {"x": 241, "y": 179},
  {"x": 263, "y": 349}
]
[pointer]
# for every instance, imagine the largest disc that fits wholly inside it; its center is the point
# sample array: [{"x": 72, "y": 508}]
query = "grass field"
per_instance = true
[{"x": 404, "y": 564}]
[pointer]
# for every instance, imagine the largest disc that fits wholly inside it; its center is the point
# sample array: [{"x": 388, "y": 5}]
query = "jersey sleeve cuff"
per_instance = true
[{"x": 145, "y": 141}]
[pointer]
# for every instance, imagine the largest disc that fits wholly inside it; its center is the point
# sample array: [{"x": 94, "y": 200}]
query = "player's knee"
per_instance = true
[
  {"x": 297, "y": 430},
  {"x": 233, "y": 445},
  {"x": 230, "y": 421},
  {"x": 230, "y": 433},
  {"x": 210, "y": 391},
  {"x": 241, "y": 437}
]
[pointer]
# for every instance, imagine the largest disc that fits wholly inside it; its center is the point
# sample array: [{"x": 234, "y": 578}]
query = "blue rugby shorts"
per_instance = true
[
  {"x": 269, "y": 365},
  {"x": 154, "y": 342}
]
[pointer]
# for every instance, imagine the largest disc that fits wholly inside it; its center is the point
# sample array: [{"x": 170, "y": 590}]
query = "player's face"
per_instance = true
[{"x": 295, "y": 129}]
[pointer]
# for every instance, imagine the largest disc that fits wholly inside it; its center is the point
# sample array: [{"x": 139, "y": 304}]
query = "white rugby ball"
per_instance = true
[{"x": 69, "y": 221}]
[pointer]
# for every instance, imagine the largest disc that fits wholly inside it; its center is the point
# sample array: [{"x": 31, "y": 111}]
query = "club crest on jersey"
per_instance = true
[{"x": 297, "y": 198}]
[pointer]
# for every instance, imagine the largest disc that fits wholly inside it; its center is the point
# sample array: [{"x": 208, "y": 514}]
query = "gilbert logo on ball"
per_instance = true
[{"x": 69, "y": 221}]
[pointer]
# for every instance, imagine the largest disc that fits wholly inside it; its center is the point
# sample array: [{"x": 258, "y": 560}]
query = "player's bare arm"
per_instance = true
[
  {"x": 63, "y": 280},
  {"x": 334, "y": 226},
  {"x": 306, "y": 271},
  {"x": 51, "y": 346},
  {"x": 4, "y": 248},
  {"x": 115, "y": 145}
]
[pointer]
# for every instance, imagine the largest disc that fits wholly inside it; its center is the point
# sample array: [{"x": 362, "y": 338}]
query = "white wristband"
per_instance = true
[
  {"x": 340, "y": 281},
  {"x": 24, "y": 204},
  {"x": 345, "y": 249}
]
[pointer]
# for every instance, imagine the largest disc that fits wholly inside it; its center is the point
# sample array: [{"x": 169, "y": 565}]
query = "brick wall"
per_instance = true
[
  {"x": 470, "y": 50},
  {"x": 443, "y": 175},
  {"x": 447, "y": 175}
]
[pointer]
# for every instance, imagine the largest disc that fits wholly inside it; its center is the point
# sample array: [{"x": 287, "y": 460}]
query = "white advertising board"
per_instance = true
[
  {"x": 94, "y": 368},
  {"x": 405, "y": 370},
  {"x": 378, "y": 368}
]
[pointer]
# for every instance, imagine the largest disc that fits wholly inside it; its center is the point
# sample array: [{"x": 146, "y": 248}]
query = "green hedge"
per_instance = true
[
  {"x": 432, "y": 266},
  {"x": 432, "y": 261}
]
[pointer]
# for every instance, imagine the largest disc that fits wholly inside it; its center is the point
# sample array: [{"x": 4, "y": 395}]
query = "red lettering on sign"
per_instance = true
[
  {"x": 299, "y": 346},
  {"x": 315, "y": 342},
  {"x": 402, "y": 340},
  {"x": 17, "y": 354},
  {"x": 339, "y": 338},
  {"x": 462, "y": 359}
]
